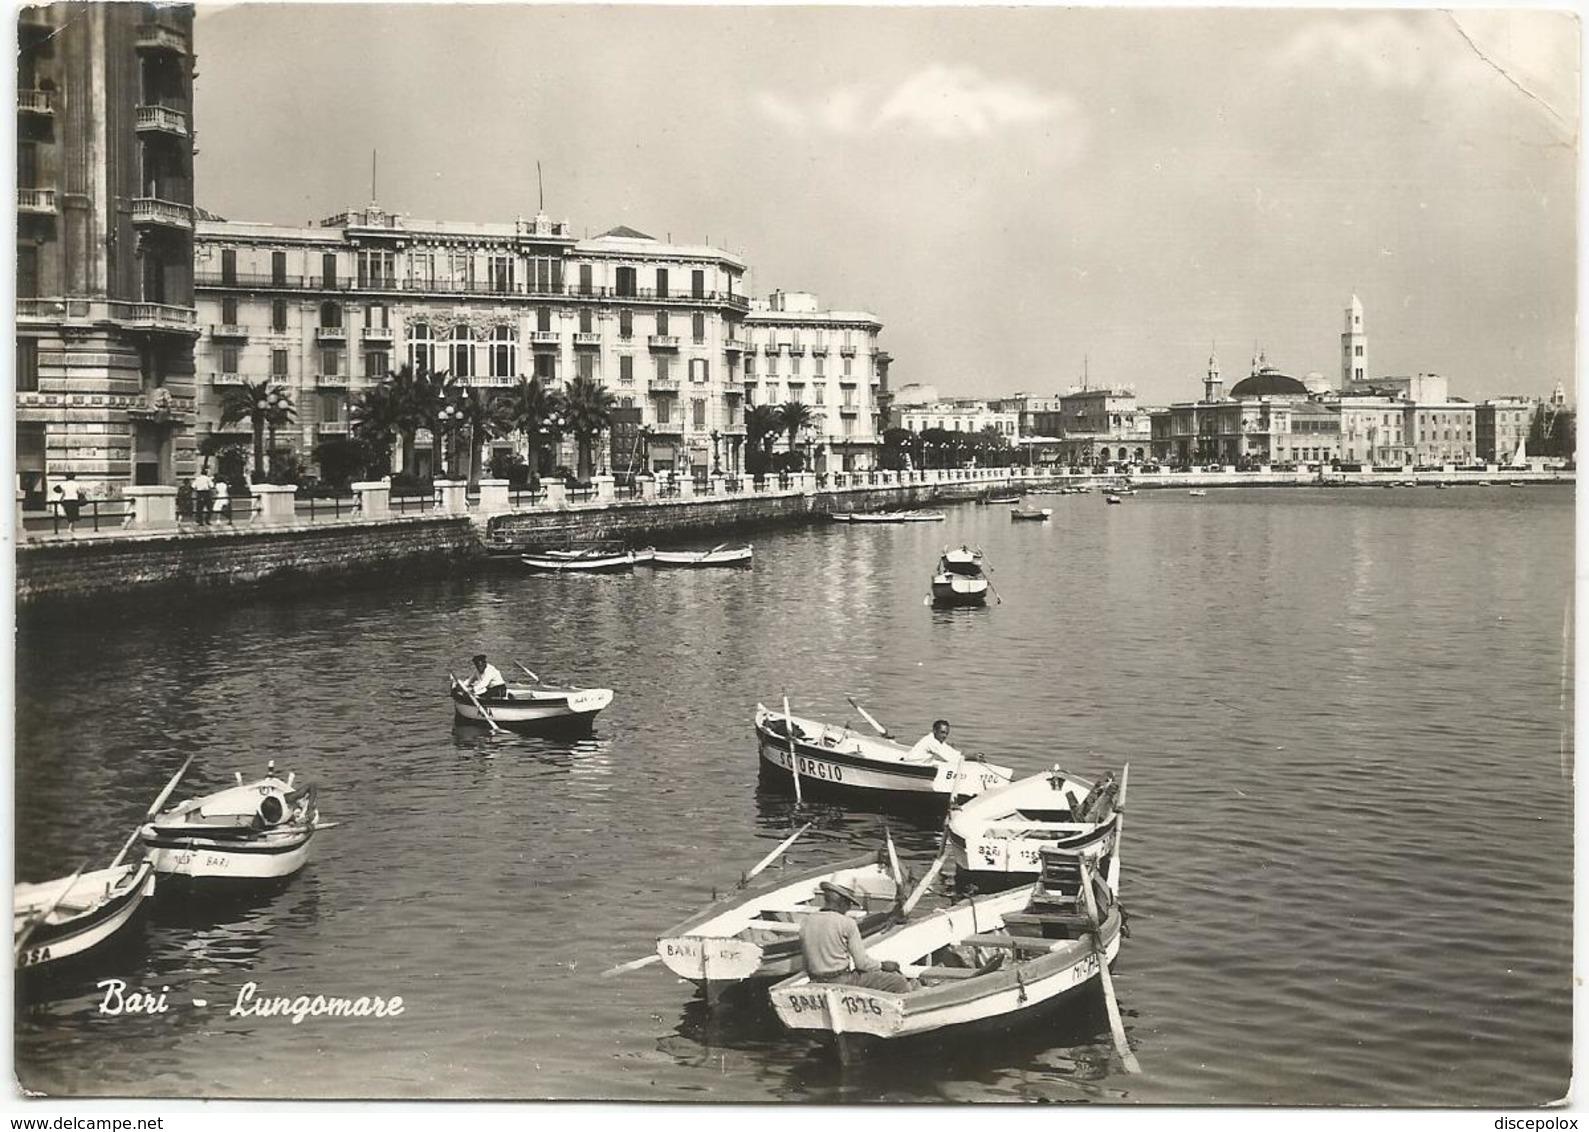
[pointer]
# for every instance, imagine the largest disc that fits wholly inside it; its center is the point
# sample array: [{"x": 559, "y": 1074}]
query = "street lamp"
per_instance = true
[
  {"x": 450, "y": 417},
  {"x": 717, "y": 467},
  {"x": 269, "y": 407}
]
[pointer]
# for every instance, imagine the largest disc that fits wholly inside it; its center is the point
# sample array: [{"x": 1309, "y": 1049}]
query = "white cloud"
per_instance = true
[{"x": 944, "y": 102}]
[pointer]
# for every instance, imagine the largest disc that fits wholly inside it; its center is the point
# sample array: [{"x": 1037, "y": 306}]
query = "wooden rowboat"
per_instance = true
[
  {"x": 535, "y": 707},
  {"x": 755, "y": 934},
  {"x": 61, "y": 919},
  {"x": 916, "y": 516},
  {"x": 556, "y": 563},
  {"x": 838, "y": 762},
  {"x": 730, "y": 556},
  {"x": 996, "y": 838},
  {"x": 255, "y": 831},
  {"x": 980, "y": 966},
  {"x": 959, "y": 579},
  {"x": 1033, "y": 515}
]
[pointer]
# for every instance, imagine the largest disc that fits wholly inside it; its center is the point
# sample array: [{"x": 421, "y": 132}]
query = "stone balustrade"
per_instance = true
[
  {"x": 274, "y": 504},
  {"x": 374, "y": 498}
]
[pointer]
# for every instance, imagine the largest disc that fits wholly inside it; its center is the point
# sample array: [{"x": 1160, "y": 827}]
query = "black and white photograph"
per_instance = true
[{"x": 715, "y": 555}]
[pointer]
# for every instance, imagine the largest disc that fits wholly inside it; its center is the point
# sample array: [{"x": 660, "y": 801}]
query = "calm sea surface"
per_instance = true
[{"x": 1348, "y": 859}]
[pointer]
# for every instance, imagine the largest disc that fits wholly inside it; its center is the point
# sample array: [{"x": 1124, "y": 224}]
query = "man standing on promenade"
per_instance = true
[
  {"x": 488, "y": 683},
  {"x": 203, "y": 495},
  {"x": 222, "y": 506},
  {"x": 831, "y": 943},
  {"x": 69, "y": 495},
  {"x": 935, "y": 744}
]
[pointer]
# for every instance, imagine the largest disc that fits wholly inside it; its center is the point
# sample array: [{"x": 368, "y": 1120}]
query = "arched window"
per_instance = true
[
  {"x": 421, "y": 348},
  {"x": 504, "y": 362},
  {"x": 461, "y": 355}
]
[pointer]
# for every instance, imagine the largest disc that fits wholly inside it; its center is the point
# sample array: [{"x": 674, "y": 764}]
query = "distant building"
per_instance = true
[
  {"x": 1267, "y": 418},
  {"x": 1354, "y": 346},
  {"x": 1099, "y": 426},
  {"x": 959, "y": 415},
  {"x": 828, "y": 360},
  {"x": 104, "y": 272},
  {"x": 1501, "y": 427}
]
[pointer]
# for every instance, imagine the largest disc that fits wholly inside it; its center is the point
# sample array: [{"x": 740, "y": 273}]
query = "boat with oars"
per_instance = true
[
  {"x": 720, "y": 555},
  {"x": 981, "y": 966},
  {"x": 594, "y": 561},
  {"x": 913, "y": 516},
  {"x": 960, "y": 578},
  {"x": 56, "y": 921},
  {"x": 753, "y": 933},
  {"x": 821, "y": 760},
  {"x": 534, "y": 707},
  {"x": 995, "y": 839},
  {"x": 250, "y": 832}
]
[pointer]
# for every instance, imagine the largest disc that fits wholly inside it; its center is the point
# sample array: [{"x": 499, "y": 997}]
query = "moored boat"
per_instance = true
[
  {"x": 959, "y": 579},
  {"x": 834, "y": 761},
  {"x": 717, "y": 556},
  {"x": 533, "y": 707},
  {"x": 255, "y": 831},
  {"x": 1030, "y": 515},
  {"x": 915, "y": 516},
  {"x": 755, "y": 933},
  {"x": 983, "y": 965},
  {"x": 996, "y": 499},
  {"x": 57, "y": 920},
  {"x": 1197, "y": 491},
  {"x": 1111, "y": 498},
  {"x": 996, "y": 838},
  {"x": 580, "y": 563}
]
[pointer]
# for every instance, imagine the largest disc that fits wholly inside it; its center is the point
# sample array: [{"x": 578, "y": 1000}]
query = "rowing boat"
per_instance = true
[
  {"x": 996, "y": 838},
  {"x": 255, "y": 831},
  {"x": 61, "y": 919},
  {"x": 560, "y": 563},
  {"x": 837, "y": 762},
  {"x": 980, "y": 966},
  {"x": 1030, "y": 515},
  {"x": 916, "y": 516},
  {"x": 534, "y": 707},
  {"x": 730, "y": 556},
  {"x": 959, "y": 579},
  {"x": 755, "y": 934}
]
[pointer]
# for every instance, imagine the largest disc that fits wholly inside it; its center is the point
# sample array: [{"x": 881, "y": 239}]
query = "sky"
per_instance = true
[{"x": 1020, "y": 194}]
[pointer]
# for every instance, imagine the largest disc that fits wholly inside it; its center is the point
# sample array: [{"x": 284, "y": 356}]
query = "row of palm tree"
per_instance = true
[
  {"x": 407, "y": 400},
  {"x": 765, "y": 423}
]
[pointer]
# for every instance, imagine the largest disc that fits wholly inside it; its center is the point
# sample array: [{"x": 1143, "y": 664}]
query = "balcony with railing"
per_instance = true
[
  {"x": 222, "y": 380},
  {"x": 734, "y": 345},
  {"x": 159, "y": 37},
  {"x": 543, "y": 338},
  {"x": 771, "y": 349},
  {"x": 663, "y": 341},
  {"x": 330, "y": 334},
  {"x": 40, "y": 202},
  {"x": 379, "y": 334},
  {"x": 796, "y": 350},
  {"x": 154, "y": 212},
  {"x": 156, "y": 316},
  {"x": 228, "y": 331},
  {"x": 847, "y": 350},
  {"x": 587, "y": 339},
  {"x": 334, "y": 428},
  {"x": 820, "y": 349},
  {"x": 490, "y": 381},
  {"x": 161, "y": 120},
  {"x": 664, "y": 386},
  {"x": 331, "y": 380},
  {"x": 40, "y": 102}
]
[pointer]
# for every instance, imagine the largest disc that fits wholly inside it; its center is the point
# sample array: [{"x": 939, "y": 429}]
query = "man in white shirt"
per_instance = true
[
  {"x": 488, "y": 683},
  {"x": 69, "y": 495},
  {"x": 934, "y": 745},
  {"x": 203, "y": 495}
]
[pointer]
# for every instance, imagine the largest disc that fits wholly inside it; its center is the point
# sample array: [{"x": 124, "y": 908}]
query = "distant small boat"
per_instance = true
[
  {"x": 1002, "y": 499},
  {"x": 1197, "y": 491},
  {"x": 717, "y": 556},
  {"x": 600, "y": 563},
  {"x": 1485, "y": 483},
  {"x": 895, "y": 517},
  {"x": 1030, "y": 515},
  {"x": 1111, "y": 498}
]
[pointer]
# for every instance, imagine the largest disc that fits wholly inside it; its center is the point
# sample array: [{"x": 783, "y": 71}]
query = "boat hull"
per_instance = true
[
  {"x": 116, "y": 898},
  {"x": 537, "y": 709},
  {"x": 611, "y": 564},
  {"x": 1030, "y": 516},
  {"x": 670, "y": 558},
  {"x": 272, "y": 856},
  {"x": 958, "y": 589}
]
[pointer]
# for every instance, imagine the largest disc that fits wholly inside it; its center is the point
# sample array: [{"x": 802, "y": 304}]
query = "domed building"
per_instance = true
[
  {"x": 1266, "y": 381},
  {"x": 1267, "y": 418}
]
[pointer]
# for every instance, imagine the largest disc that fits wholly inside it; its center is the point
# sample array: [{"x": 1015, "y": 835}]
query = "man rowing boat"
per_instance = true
[{"x": 487, "y": 683}]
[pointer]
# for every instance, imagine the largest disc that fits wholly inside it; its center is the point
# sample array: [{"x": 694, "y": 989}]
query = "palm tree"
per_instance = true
[
  {"x": 762, "y": 426},
  {"x": 588, "y": 406},
  {"x": 262, "y": 404},
  {"x": 413, "y": 401},
  {"x": 376, "y": 417},
  {"x": 792, "y": 417},
  {"x": 535, "y": 411}
]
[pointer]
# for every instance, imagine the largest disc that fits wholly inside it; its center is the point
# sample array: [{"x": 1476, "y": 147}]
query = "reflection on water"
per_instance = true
[{"x": 1281, "y": 669}]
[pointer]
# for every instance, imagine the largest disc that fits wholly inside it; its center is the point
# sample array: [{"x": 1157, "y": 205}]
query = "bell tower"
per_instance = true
[
  {"x": 1354, "y": 346},
  {"x": 1213, "y": 384}
]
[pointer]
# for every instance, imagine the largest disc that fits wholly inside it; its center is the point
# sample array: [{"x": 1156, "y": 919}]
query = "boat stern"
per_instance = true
[
  {"x": 838, "y": 1008},
  {"x": 715, "y": 958}
]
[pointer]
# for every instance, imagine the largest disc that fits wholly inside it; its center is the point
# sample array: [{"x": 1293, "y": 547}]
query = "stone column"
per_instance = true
[
  {"x": 451, "y": 497},
  {"x": 804, "y": 482},
  {"x": 274, "y": 502},
  {"x": 686, "y": 486},
  {"x": 153, "y": 507},
  {"x": 556, "y": 495},
  {"x": 604, "y": 489},
  {"x": 716, "y": 484},
  {"x": 494, "y": 496},
  {"x": 648, "y": 488},
  {"x": 375, "y": 498}
]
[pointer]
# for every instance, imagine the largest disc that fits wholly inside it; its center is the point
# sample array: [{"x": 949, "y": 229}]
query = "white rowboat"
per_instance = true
[
  {"x": 997, "y": 837},
  {"x": 67, "y": 917},
  {"x": 535, "y": 707},
  {"x": 257, "y": 831},
  {"x": 580, "y": 563},
  {"x": 730, "y": 556}
]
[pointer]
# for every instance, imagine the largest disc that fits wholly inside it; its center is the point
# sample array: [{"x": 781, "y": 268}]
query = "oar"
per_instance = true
[
  {"x": 893, "y": 860},
  {"x": 527, "y": 672},
  {"x": 926, "y": 882},
  {"x": 478, "y": 705},
  {"x": 876, "y": 726},
  {"x": 699, "y": 557},
  {"x": 632, "y": 965},
  {"x": 154, "y": 809},
  {"x": 774, "y": 855},
  {"x": 32, "y": 924},
  {"x": 1115, "y": 1024},
  {"x": 794, "y": 757}
]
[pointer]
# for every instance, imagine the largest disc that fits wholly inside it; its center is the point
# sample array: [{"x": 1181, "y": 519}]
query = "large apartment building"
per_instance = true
[{"x": 105, "y": 311}]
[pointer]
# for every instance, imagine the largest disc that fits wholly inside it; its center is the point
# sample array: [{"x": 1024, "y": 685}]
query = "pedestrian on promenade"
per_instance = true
[
  {"x": 203, "y": 495},
  {"x": 69, "y": 498},
  {"x": 831, "y": 944},
  {"x": 222, "y": 506}
]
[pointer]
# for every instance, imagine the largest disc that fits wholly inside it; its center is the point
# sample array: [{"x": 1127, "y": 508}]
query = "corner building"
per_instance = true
[{"x": 106, "y": 320}]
